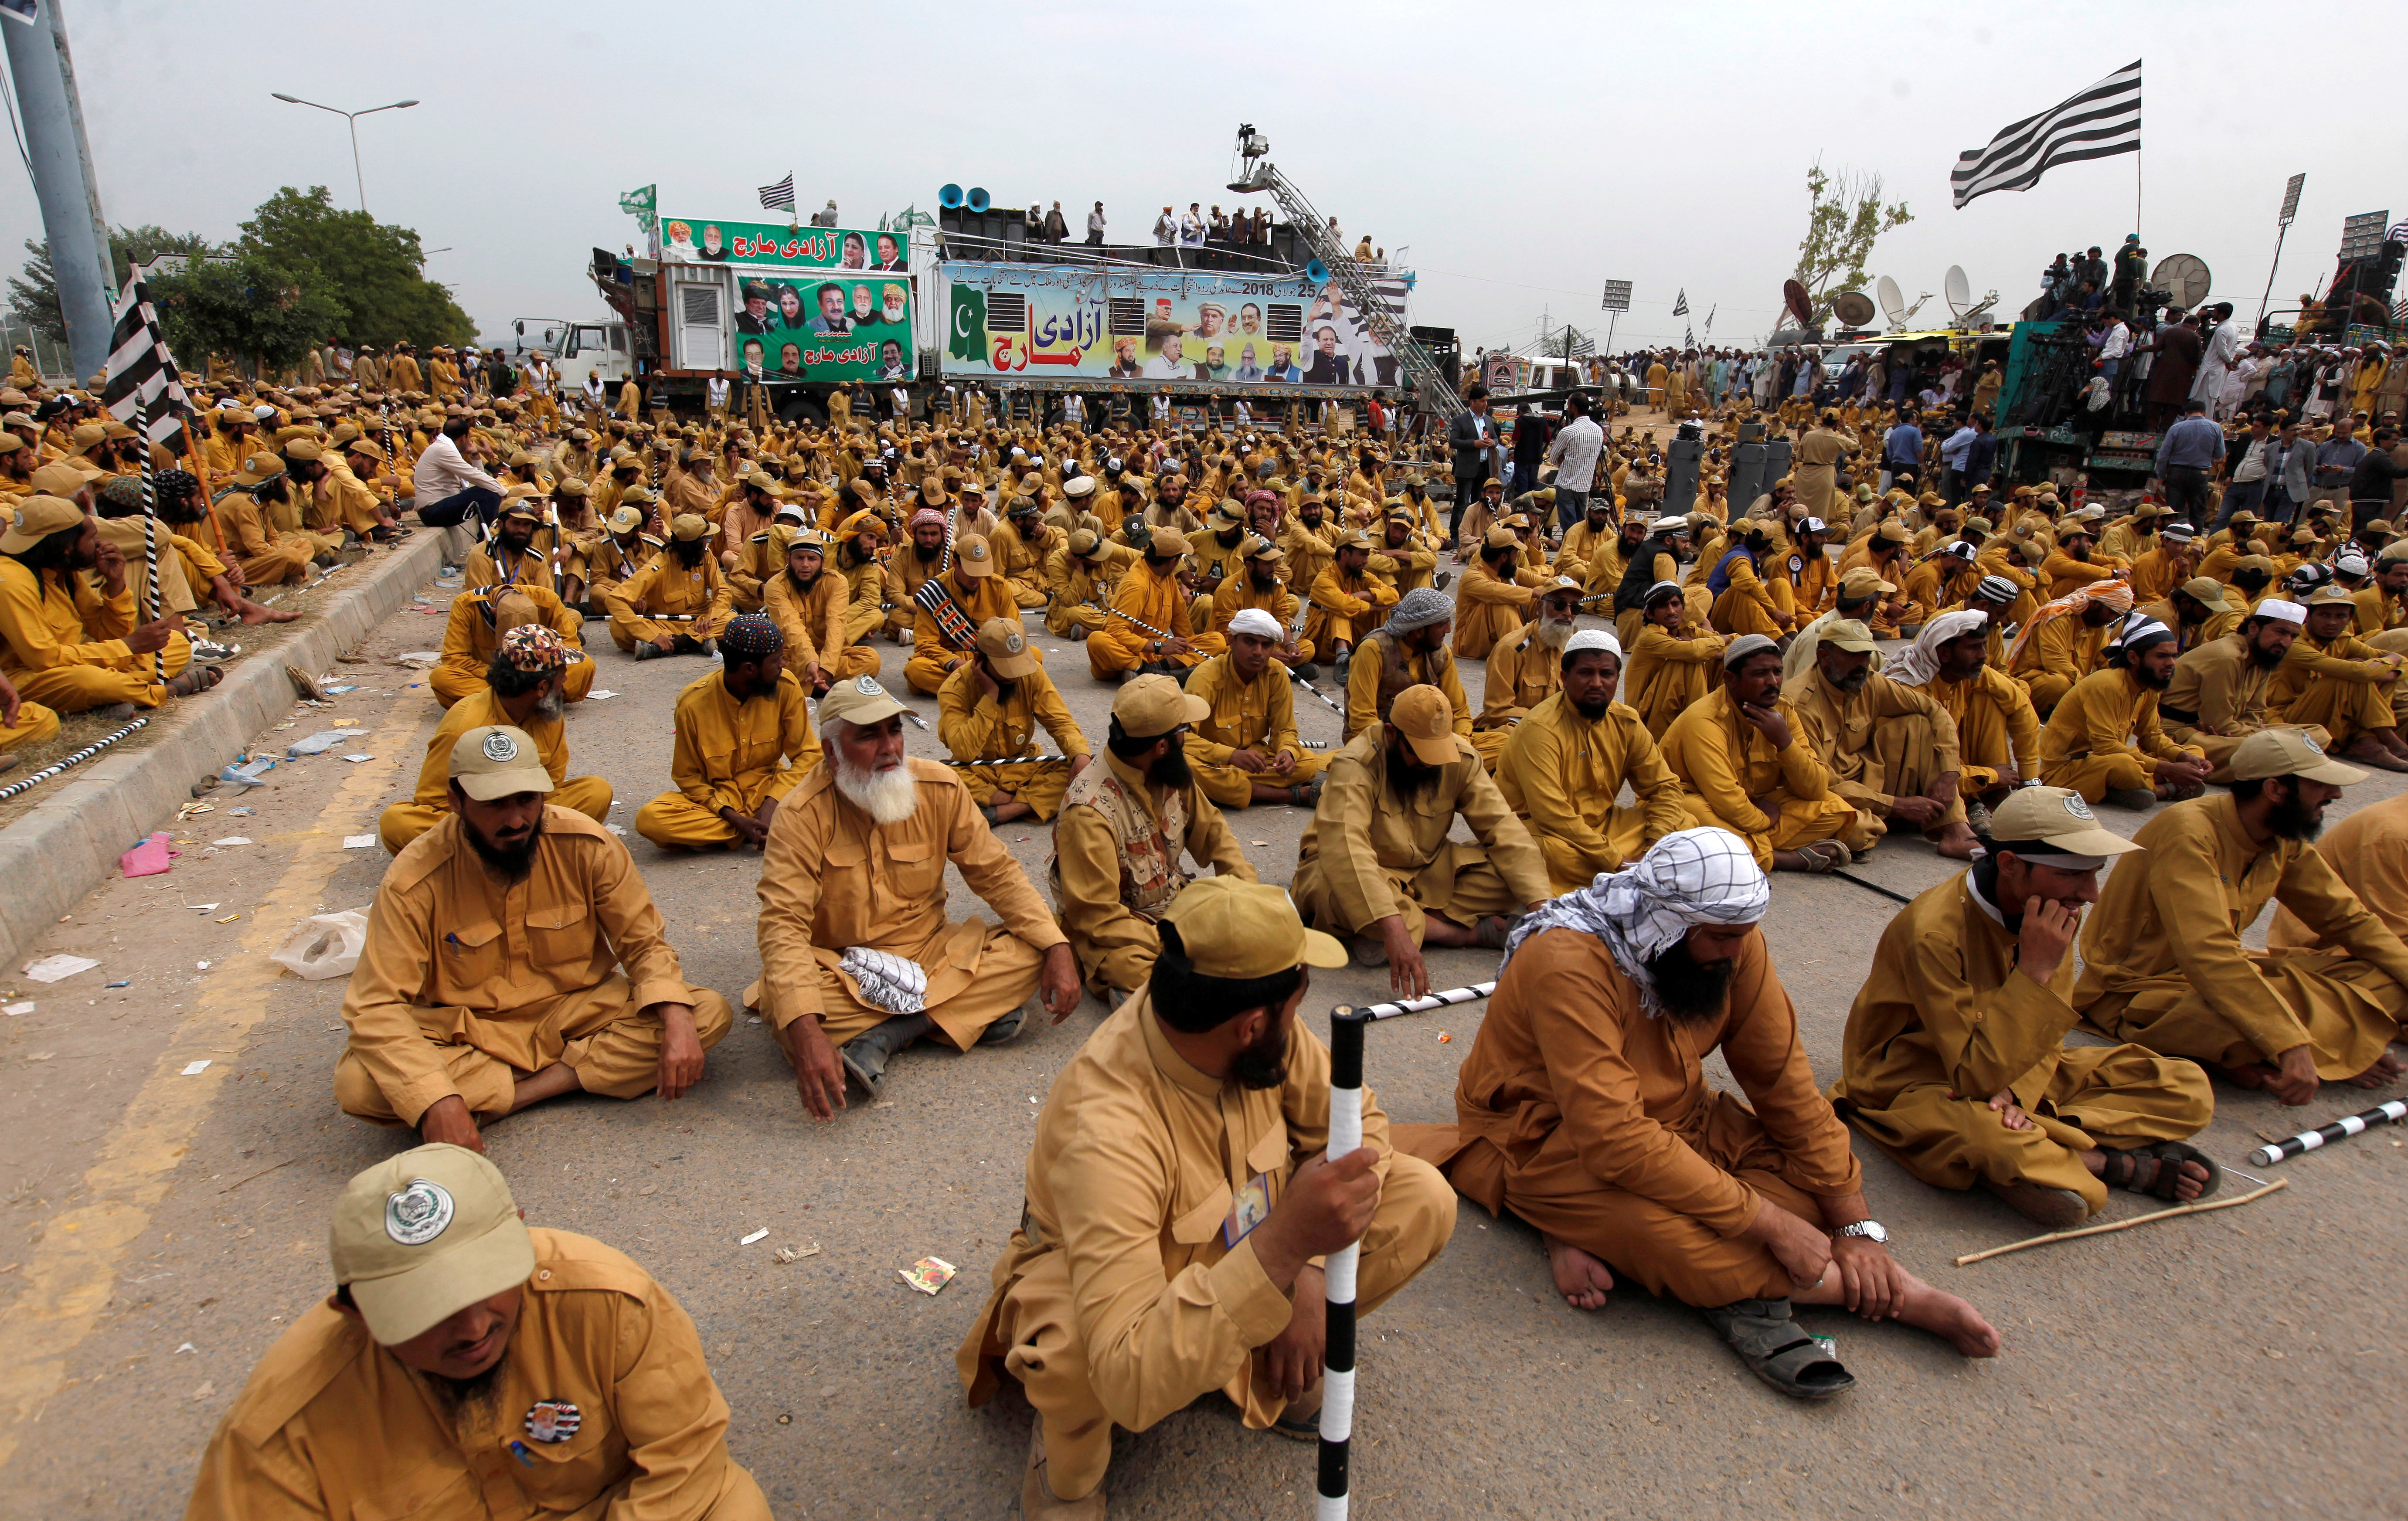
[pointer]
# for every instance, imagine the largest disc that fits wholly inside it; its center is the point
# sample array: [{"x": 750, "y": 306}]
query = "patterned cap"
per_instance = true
[
  {"x": 533, "y": 647},
  {"x": 751, "y": 637}
]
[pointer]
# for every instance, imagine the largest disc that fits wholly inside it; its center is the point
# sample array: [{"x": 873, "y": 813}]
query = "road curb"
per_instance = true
[{"x": 69, "y": 844}]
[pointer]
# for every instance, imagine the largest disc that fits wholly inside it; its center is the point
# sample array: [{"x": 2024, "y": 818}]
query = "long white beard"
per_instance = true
[
  {"x": 1554, "y": 635},
  {"x": 886, "y": 796}
]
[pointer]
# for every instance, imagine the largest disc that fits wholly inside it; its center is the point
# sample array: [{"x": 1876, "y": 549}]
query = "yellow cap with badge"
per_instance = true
[
  {"x": 422, "y": 1236},
  {"x": 1425, "y": 718},
  {"x": 1004, "y": 646},
  {"x": 495, "y": 760},
  {"x": 38, "y": 518},
  {"x": 1151, "y": 706}
]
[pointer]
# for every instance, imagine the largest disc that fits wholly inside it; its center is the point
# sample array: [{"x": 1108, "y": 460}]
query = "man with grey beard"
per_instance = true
[
  {"x": 1525, "y": 668},
  {"x": 857, "y": 957}
]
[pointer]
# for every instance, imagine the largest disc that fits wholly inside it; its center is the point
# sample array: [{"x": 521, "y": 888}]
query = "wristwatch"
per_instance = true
[{"x": 1870, "y": 1229}]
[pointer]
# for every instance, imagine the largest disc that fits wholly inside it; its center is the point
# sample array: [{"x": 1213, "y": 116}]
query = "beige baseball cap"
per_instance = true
[
  {"x": 1243, "y": 930},
  {"x": 1425, "y": 718},
  {"x": 2055, "y": 822},
  {"x": 1166, "y": 544},
  {"x": 1151, "y": 706},
  {"x": 689, "y": 525},
  {"x": 973, "y": 557},
  {"x": 496, "y": 760},
  {"x": 859, "y": 702},
  {"x": 626, "y": 519},
  {"x": 422, "y": 1236},
  {"x": 1850, "y": 635},
  {"x": 38, "y": 518},
  {"x": 1005, "y": 647},
  {"x": 2208, "y": 593},
  {"x": 1862, "y": 583},
  {"x": 2289, "y": 752}
]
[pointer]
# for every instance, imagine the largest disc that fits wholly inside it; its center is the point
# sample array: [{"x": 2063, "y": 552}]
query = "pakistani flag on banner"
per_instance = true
[
  {"x": 643, "y": 205},
  {"x": 967, "y": 335}
]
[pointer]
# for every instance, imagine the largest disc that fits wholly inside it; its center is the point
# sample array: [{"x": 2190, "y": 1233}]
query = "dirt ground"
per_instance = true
[{"x": 160, "y": 1230}]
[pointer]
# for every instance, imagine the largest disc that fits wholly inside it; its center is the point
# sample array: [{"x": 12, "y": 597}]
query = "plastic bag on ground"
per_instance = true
[{"x": 324, "y": 945}]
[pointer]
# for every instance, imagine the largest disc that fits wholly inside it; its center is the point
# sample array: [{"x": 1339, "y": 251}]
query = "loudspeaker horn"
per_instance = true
[
  {"x": 950, "y": 198},
  {"x": 1316, "y": 271},
  {"x": 979, "y": 200}
]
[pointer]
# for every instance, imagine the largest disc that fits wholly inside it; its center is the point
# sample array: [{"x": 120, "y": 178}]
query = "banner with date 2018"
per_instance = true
[{"x": 1056, "y": 321}]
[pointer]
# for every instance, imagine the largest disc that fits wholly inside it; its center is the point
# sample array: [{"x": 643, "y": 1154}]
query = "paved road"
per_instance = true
[{"x": 160, "y": 1230}]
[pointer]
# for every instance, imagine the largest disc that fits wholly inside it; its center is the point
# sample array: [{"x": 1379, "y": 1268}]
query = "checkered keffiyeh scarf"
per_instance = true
[
  {"x": 1919, "y": 662},
  {"x": 887, "y": 979},
  {"x": 1692, "y": 877}
]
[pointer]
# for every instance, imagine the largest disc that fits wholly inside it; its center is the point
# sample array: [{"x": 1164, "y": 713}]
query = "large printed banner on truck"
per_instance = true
[
  {"x": 777, "y": 246},
  {"x": 825, "y": 327},
  {"x": 1051, "y": 322}
]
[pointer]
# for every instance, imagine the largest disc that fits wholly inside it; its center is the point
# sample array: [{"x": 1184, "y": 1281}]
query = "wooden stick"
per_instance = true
[{"x": 2199, "y": 1207}]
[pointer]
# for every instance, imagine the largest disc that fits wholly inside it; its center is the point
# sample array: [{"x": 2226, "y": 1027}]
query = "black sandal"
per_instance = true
[
  {"x": 1777, "y": 1351},
  {"x": 2157, "y": 1170}
]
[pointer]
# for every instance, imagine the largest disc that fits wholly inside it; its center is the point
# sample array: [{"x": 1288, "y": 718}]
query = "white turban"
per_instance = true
[
  {"x": 1255, "y": 620},
  {"x": 2283, "y": 609},
  {"x": 1587, "y": 638},
  {"x": 1690, "y": 877},
  {"x": 1919, "y": 662}
]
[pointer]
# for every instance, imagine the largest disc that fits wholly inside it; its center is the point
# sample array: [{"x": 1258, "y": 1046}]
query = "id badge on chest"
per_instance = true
[{"x": 1253, "y": 1203}]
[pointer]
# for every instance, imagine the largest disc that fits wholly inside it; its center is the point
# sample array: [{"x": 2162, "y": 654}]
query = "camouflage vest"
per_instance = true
[{"x": 1151, "y": 875}]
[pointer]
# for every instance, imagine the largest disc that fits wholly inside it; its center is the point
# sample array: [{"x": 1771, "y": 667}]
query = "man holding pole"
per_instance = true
[{"x": 1178, "y": 1288}]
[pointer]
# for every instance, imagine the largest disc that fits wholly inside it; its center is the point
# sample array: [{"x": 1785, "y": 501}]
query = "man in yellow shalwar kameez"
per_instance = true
[
  {"x": 989, "y": 710},
  {"x": 1998, "y": 734},
  {"x": 1245, "y": 749},
  {"x": 1956, "y": 1066},
  {"x": 526, "y": 690},
  {"x": 1745, "y": 768},
  {"x": 1565, "y": 764},
  {"x": 2163, "y": 964},
  {"x": 743, "y": 741},
  {"x": 2104, "y": 740}
]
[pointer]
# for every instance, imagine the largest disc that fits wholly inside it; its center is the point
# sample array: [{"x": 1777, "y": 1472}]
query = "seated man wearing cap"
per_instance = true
[
  {"x": 2172, "y": 559},
  {"x": 490, "y": 977},
  {"x": 1584, "y": 1109},
  {"x": 683, "y": 588},
  {"x": 744, "y": 740},
  {"x": 1744, "y": 600},
  {"x": 1591, "y": 533},
  {"x": 1958, "y": 1068},
  {"x": 1176, "y": 1196},
  {"x": 1564, "y": 765},
  {"x": 1859, "y": 593},
  {"x": 857, "y": 957},
  {"x": 1244, "y": 749},
  {"x": 1525, "y": 668},
  {"x": 519, "y": 553},
  {"x": 2332, "y": 678},
  {"x": 1346, "y": 601},
  {"x": 1490, "y": 603},
  {"x": 613, "y": 556},
  {"x": 1746, "y": 767},
  {"x": 467, "y": 1361},
  {"x": 69, "y": 645},
  {"x": 2197, "y": 612},
  {"x": 1672, "y": 662},
  {"x": 1409, "y": 650},
  {"x": 1400, "y": 557},
  {"x": 2218, "y": 694},
  {"x": 968, "y": 596},
  {"x": 1890, "y": 748},
  {"x": 808, "y": 603},
  {"x": 238, "y": 520},
  {"x": 474, "y": 628},
  {"x": 2074, "y": 563},
  {"x": 754, "y": 505},
  {"x": 1078, "y": 577},
  {"x": 525, "y": 688},
  {"x": 2104, "y": 740},
  {"x": 1940, "y": 582},
  {"x": 1607, "y": 560},
  {"x": 2065, "y": 639},
  {"x": 2163, "y": 964},
  {"x": 1376, "y": 864},
  {"x": 1022, "y": 546},
  {"x": 1125, "y": 826},
  {"x": 1997, "y": 735},
  {"x": 1152, "y": 628},
  {"x": 989, "y": 710},
  {"x": 1884, "y": 553},
  {"x": 1258, "y": 588}
]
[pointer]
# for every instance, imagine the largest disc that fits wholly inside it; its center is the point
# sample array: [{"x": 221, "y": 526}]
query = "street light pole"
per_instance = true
[{"x": 353, "y": 119}]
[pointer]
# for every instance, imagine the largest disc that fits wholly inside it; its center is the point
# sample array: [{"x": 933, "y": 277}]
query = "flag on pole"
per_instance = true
[
  {"x": 642, "y": 205},
  {"x": 2098, "y": 122},
  {"x": 1680, "y": 306},
  {"x": 780, "y": 196},
  {"x": 1688, "y": 337},
  {"x": 141, "y": 376},
  {"x": 1710, "y": 318}
]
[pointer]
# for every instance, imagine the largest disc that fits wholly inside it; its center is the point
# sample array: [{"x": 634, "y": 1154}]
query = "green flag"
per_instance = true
[
  {"x": 968, "y": 332},
  {"x": 642, "y": 205}
]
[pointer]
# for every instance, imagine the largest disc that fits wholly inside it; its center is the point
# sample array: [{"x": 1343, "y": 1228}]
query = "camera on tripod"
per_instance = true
[{"x": 2149, "y": 300}]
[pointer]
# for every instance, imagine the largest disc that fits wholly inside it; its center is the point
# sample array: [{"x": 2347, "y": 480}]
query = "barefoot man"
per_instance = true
[{"x": 1584, "y": 1109}]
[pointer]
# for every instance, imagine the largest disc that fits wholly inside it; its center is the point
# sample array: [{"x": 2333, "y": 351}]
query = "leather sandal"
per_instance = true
[
  {"x": 2157, "y": 1170},
  {"x": 1777, "y": 1351}
]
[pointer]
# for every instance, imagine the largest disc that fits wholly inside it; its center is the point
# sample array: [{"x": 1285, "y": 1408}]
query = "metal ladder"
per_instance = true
[{"x": 1437, "y": 396}]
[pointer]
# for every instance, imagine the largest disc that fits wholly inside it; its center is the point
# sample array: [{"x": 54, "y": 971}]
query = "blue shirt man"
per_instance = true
[{"x": 1902, "y": 446}]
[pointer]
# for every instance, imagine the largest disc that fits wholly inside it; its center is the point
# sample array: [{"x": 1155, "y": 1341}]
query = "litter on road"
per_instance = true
[{"x": 58, "y": 969}]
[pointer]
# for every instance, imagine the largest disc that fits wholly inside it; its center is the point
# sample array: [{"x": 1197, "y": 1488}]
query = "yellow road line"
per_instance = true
[{"x": 73, "y": 1271}]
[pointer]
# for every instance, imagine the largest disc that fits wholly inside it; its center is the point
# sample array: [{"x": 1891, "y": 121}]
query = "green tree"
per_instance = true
[
  {"x": 249, "y": 308},
  {"x": 34, "y": 296},
  {"x": 373, "y": 271},
  {"x": 1844, "y": 218}
]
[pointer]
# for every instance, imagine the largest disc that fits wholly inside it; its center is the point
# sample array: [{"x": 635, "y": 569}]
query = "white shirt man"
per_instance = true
[
  {"x": 442, "y": 472},
  {"x": 1165, "y": 229},
  {"x": 1191, "y": 228},
  {"x": 2222, "y": 345},
  {"x": 2118, "y": 343},
  {"x": 1095, "y": 226},
  {"x": 1574, "y": 453},
  {"x": 1074, "y": 409},
  {"x": 715, "y": 392},
  {"x": 593, "y": 390}
]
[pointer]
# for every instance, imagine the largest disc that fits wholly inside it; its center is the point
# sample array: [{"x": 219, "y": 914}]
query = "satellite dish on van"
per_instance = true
[
  {"x": 1893, "y": 300},
  {"x": 950, "y": 198},
  {"x": 1955, "y": 290},
  {"x": 2185, "y": 278},
  {"x": 1793, "y": 295},
  {"x": 1853, "y": 309}
]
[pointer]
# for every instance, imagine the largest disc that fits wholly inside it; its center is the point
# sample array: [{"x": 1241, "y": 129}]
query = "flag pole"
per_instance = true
[{"x": 154, "y": 605}]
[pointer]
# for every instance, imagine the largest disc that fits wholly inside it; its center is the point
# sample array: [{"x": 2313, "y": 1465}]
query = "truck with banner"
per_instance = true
[
  {"x": 1107, "y": 328},
  {"x": 794, "y": 310}
]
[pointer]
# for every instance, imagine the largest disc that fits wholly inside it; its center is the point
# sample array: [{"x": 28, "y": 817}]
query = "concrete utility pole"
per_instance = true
[{"x": 44, "y": 73}]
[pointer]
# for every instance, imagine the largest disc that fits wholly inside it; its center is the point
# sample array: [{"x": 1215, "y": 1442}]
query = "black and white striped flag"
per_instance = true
[
  {"x": 1680, "y": 306},
  {"x": 780, "y": 196},
  {"x": 141, "y": 373},
  {"x": 2100, "y": 123}
]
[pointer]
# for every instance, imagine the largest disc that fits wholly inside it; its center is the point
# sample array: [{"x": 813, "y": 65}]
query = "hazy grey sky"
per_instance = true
[{"x": 1522, "y": 155}]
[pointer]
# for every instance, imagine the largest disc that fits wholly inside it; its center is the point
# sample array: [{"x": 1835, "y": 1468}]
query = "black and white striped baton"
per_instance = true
[
  {"x": 2341, "y": 1130},
  {"x": 1346, "y": 1025},
  {"x": 1325, "y": 702},
  {"x": 1441, "y": 999},
  {"x": 67, "y": 762}
]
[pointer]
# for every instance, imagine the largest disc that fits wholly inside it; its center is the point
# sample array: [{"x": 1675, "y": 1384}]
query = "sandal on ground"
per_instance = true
[
  {"x": 2058, "y": 1209},
  {"x": 1777, "y": 1351},
  {"x": 1367, "y": 952},
  {"x": 1005, "y": 1030},
  {"x": 1301, "y": 1420},
  {"x": 1306, "y": 795},
  {"x": 2157, "y": 1170},
  {"x": 1491, "y": 933},
  {"x": 1824, "y": 856},
  {"x": 195, "y": 678}
]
